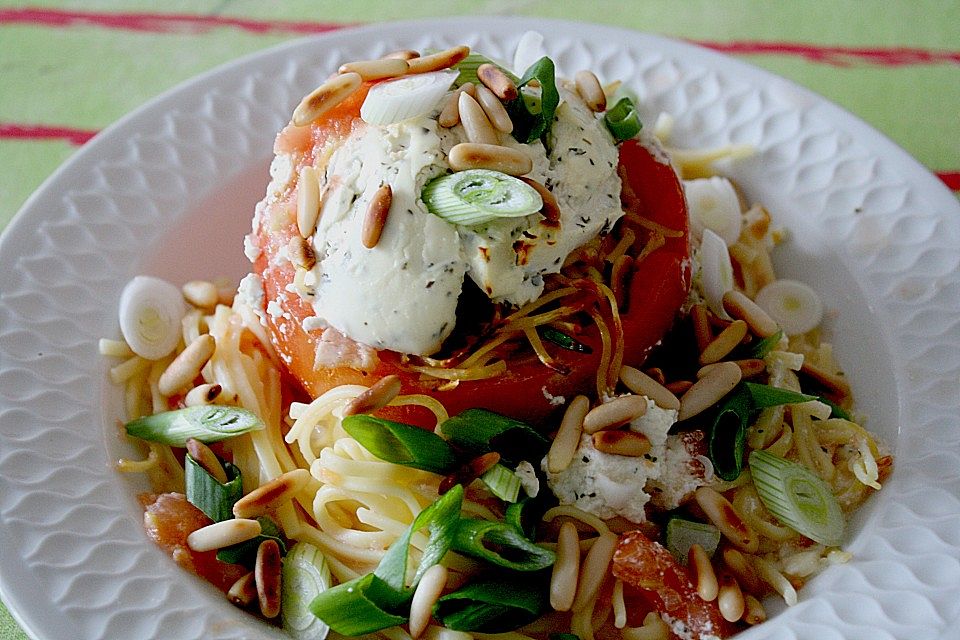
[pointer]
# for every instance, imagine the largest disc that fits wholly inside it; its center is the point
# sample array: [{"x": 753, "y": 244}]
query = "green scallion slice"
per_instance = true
[
  {"x": 305, "y": 575},
  {"x": 492, "y": 606},
  {"x": 352, "y": 608},
  {"x": 532, "y": 112},
  {"x": 761, "y": 348},
  {"x": 500, "y": 544},
  {"x": 207, "y": 423},
  {"x": 797, "y": 497},
  {"x": 468, "y": 69},
  {"x": 622, "y": 120},
  {"x": 479, "y": 431},
  {"x": 681, "y": 534},
  {"x": 502, "y": 482},
  {"x": 401, "y": 443},
  {"x": 477, "y": 196},
  {"x": 764, "y": 396},
  {"x": 245, "y": 553},
  {"x": 562, "y": 340},
  {"x": 207, "y": 494}
]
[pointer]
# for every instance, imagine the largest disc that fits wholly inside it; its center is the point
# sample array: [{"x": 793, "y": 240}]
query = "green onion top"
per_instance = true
[
  {"x": 492, "y": 606},
  {"x": 622, "y": 120},
  {"x": 479, "y": 431},
  {"x": 401, "y": 443},
  {"x": 532, "y": 113},
  {"x": 500, "y": 544},
  {"x": 206, "y": 423},
  {"x": 207, "y": 494}
]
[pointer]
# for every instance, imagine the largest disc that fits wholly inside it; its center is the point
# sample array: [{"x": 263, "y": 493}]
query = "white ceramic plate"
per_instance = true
[{"x": 169, "y": 190}]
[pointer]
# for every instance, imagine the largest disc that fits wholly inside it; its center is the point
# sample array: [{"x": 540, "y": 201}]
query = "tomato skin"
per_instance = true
[{"x": 657, "y": 289}]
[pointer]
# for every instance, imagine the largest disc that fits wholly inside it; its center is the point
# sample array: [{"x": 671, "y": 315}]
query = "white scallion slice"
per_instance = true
[
  {"x": 150, "y": 313},
  {"x": 797, "y": 497},
  {"x": 406, "y": 97},
  {"x": 304, "y": 576},
  {"x": 477, "y": 196},
  {"x": 716, "y": 271},
  {"x": 715, "y": 205},
  {"x": 794, "y": 305},
  {"x": 502, "y": 483},
  {"x": 681, "y": 534}
]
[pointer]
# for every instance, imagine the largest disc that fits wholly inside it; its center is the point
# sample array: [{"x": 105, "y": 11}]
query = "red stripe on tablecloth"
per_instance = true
[
  {"x": 157, "y": 22},
  {"x": 198, "y": 23},
  {"x": 14, "y": 131}
]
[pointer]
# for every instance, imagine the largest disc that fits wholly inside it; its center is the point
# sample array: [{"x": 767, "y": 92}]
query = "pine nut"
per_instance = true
[
  {"x": 593, "y": 570},
  {"x": 379, "y": 395},
  {"x": 566, "y": 568},
  {"x": 615, "y": 413},
  {"x": 740, "y": 306},
  {"x": 267, "y": 574},
  {"x": 308, "y": 201},
  {"x": 201, "y": 294},
  {"x": 243, "y": 592},
  {"x": 325, "y": 97},
  {"x": 301, "y": 253},
  {"x": 742, "y": 567},
  {"x": 497, "y": 81},
  {"x": 619, "y": 279},
  {"x": 376, "y": 216},
  {"x": 588, "y": 87},
  {"x": 725, "y": 342},
  {"x": 450, "y": 114},
  {"x": 550, "y": 210},
  {"x": 427, "y": 593},
  {"x": 470, "y": 155},
  {"x": 376, "y": 69},
  {"x": 565, "y": 444},
  {"x": 749, "y": 367},
  {"x": 206, "y": 458},
  {"x": 182, "y": 371},
  {"x": 470, "y": 471},
  {"x": 437, "y": 61},
  {"x": 621, "y": 443},
  {"x": 202, "y": 394},
  {"x": 708, "y": 390},
  {"x": 701, "y": 326},
  {"x": 754, "y": 613},
  {"x": 271, "y": 495},
  {"x": 722, "y": 514},
  {"x": 474, "y": 121},
  {"x": 494, "y": 110},
  {"x": 833, "y": 382},
  {"x": 704, "y": 577},
  {"x": 730, "y": 598},
  {"x": 643, "y": 385},
  {"x": 223, "y": 534},
  {"x": 403, "y": 54},
  {"x": 678, "y": 387}
]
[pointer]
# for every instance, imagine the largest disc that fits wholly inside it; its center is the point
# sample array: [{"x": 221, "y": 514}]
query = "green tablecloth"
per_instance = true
[{"x": 70, "y": 68}]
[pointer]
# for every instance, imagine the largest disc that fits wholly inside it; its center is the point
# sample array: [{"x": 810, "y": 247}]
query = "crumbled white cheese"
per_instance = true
[
  {"x": 555, "y": 401},
  {"x": 528, "y": 478}
]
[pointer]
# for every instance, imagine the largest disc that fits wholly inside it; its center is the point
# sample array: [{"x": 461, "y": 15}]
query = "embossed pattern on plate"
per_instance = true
[{"x": 169, "y": 190}]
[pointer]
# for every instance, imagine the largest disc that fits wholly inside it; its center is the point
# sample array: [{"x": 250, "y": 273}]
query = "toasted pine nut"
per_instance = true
[
  {"x": 271, "y": 495},
  {"x": 244, "y": 591},
  {"x": 437, "y": 61},
  {"x": 181, "y": 372},
  {"x": 494, "y": 109},
  {"x": 565, "y": 444},
  {"x": 704, "y": 577},
  {"x": 267, "y": 573},
  {"x": 833, "y": 382},
  {"x": 376, "y": 217},
  {"x": 566, "y": 568},
  {"x": 223, "y": 534},
  {"x": 678, "y": 387},
  {"x": 619, "y": 276},
  {"x": 725, "y": 342},
  {"x": 376, "y": 69},
  {"x": 621, "y": 443},
  {"x": 643, "y": 385},
  {"x": 550, "y": 210},
  {"x": 656, "y": 373},
  {"x": 377, "y": 396},
  {"x": 325, "y": 97},
  {"x": 403, "y": 54},
  {"x": 740, "y": 306},
  {"x": 593, "y": 569},
  {"x": 201, "y": 294},
  {"x": 207, "y": 459},
  {"x": 470, "y": 155},
  {"x": 474, "y": 121},
  {"x": 469, "y": 472},
  {"x": 201, "y": 394},
  {"x": 753, "y": 613},
  {"x": 301, "y": 253},
  {"x": 749, "y": 367},
  {"x": 742, "y": 567},
  {"x": 708, "y": 390},
  {"x": 721, "y": 513},
  {"x": 730, "y": 598},
  {"x": 428, "y": 591},
  {"x": 450, "y": 114},
  {"x": 308, "y": 201},
  {"x": 497, "y": 81},
  {"x": 701, "y": 326},
  {"x": 615, "y": 413},
  {"x": 588, "y": 87}
]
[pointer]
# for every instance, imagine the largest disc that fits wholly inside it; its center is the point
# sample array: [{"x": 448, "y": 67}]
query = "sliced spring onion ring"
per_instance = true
[
  {"x": 681, "y": 534},
  {"x": 401, "y": 443},
  {"x": 478, "y": 196},
  {"x": 492, "y": 606},
  {"x": 479, "y": 431},
  {"x": 716, "y": 271},
  {"x": 502, "y": 482},
  {"x": 207, "y": 494},
  {"x": 532, "y": 112},
  {"x": 150, "y": 314},
  {"x": 207, "y": 423},
  {"x": 305, "y": 575},
  {"x": 405, "y": 97},
  {"x": 794, "y": 305},
  {"x": 622, "y": 120},
  {"x": 715, "y": 205},
  {"x": 798, "y": 498},
  {"x": 500, "y": 544}
]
